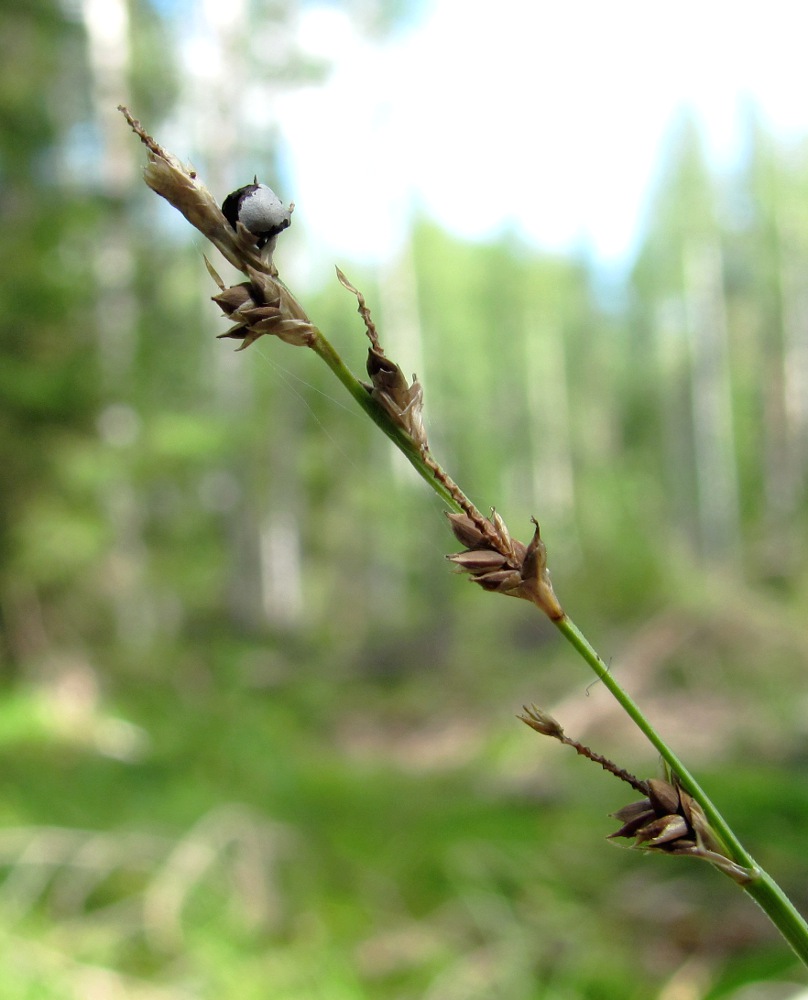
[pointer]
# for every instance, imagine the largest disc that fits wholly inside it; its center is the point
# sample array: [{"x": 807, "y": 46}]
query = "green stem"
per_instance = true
[{"x": 760, "y": 886}]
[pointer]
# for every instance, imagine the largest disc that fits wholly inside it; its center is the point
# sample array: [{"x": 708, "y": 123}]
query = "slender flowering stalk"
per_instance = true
[{"x": 675, "y": 815}]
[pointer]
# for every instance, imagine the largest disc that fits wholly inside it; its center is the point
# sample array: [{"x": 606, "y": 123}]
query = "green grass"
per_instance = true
[{"x": 312, "y": 839}]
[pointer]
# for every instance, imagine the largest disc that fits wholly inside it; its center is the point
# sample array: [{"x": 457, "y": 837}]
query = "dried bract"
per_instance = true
[{"x": 364, "y": 312}]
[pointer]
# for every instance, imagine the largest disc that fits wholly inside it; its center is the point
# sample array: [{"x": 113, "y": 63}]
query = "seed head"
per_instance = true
[{"x": 672, "y": 822}]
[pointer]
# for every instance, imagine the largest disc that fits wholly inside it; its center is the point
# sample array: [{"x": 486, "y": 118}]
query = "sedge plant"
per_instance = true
[{"x": 674, "y": 814}]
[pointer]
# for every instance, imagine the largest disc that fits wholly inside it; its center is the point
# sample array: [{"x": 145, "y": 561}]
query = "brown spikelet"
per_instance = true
[
  {"x": 261, "y": 306},
  {"x": 670, "y": 821},
  {"x": 401, "y": 400},
  {"x": 498, "y": 562}
]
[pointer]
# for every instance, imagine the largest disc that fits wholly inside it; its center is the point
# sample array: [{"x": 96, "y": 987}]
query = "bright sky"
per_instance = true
[{"x": 550, "y": 115}]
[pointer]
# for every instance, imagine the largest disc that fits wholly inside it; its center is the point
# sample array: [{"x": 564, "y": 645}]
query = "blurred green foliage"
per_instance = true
[{"x": 256, "y": 740}]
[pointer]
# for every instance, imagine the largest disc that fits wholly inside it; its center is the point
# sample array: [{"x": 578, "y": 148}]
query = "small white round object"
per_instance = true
[{"x": 259, "y": 210}]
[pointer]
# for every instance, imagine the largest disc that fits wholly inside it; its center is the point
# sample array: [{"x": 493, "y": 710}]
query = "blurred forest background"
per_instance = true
[{"x": 257, "y": 740}]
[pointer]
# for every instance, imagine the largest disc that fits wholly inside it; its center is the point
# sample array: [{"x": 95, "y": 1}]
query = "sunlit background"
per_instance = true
[
  {"x": 548, "y": 119},
  {"x": 257, "y": 740}
]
